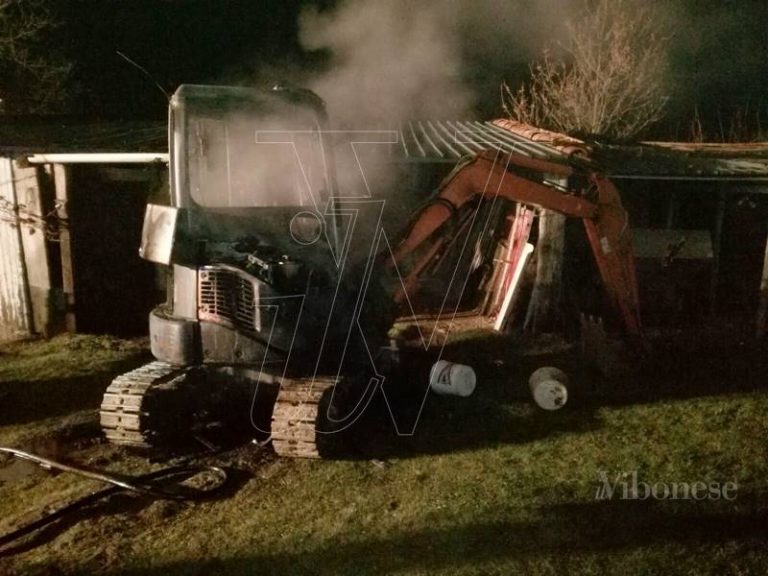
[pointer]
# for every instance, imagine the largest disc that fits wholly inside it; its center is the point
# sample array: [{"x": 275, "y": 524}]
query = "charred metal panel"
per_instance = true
[
  {"x": 229, "y": 298},
  {"x": 14, "y": 291},
  {"x": 223, "y": 345},
  {"x": 158, "y": 234},
  {"x": 185, "y": 292},
  {"x": 243, "y": 303},
  {"x": 173, "y": 340}
]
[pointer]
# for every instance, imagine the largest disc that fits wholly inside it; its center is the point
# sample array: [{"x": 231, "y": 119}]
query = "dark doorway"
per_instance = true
[{"x": 114, "y": 288}]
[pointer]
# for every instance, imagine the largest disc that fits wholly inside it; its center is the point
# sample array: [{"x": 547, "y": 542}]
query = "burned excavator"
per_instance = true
[{"x": 282, "y": 287}]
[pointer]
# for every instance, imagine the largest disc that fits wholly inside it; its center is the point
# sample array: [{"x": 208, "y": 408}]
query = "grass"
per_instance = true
[
  {"x": 487, "y": 485},
  {"x": 45, "y": 382}
]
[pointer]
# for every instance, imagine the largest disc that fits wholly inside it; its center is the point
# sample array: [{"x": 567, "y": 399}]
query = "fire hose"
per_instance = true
[{"x": 165, "y": 484}]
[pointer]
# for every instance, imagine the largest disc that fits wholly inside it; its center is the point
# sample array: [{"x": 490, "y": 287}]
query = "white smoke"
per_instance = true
[
  {"x": 400, "y": 59},
  {"x": 391, "y": 60}
]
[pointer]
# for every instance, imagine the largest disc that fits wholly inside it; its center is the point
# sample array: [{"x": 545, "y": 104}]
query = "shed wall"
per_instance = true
[{"x": 15, "y": 306}]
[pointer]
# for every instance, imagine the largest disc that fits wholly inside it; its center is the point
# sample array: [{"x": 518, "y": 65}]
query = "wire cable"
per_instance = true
[{"x": 165, "y": 484}]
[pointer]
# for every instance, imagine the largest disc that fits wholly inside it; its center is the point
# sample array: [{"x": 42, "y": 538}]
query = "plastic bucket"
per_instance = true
[
  {"x": 549, "y": 387},
  {"x": 449, "y": 379}
]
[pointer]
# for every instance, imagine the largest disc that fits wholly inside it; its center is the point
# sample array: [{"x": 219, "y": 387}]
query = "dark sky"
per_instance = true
[
  {"x": 719, "y": 52},
  {"x": 177, "y": 41}
]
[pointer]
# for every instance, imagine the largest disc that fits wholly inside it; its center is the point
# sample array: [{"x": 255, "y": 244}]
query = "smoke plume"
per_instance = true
[
  {"x": 398, "y": 59},
  {"x": 390, "y": 60}
]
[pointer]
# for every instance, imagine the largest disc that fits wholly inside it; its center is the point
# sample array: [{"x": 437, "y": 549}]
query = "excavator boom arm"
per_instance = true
[{"x": 521, "y": 179}]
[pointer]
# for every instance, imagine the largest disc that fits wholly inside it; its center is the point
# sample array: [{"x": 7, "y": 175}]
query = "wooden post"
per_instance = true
[
  {"x": 762, "y": 314},
  {"x": 29, "y": 194},
  {"x": 16, "y": 318},
  {"x": 544, "y": 307},
  {"x": 717, "y": 241},
  {"x": 61, "y": 182}
]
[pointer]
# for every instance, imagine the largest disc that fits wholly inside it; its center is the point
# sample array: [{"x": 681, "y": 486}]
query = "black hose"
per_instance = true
[{"x": 153, "y": 485}]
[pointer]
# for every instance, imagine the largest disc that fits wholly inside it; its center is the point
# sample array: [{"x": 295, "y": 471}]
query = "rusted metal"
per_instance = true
[
  {"x": 561, "y": 142},
  {"x": 447, "y": 141}
]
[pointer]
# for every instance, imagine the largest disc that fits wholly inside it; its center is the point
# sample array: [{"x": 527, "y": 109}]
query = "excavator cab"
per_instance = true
[
  {"x": 246, "y": 234},
  {"x": 251, "y": 239}
]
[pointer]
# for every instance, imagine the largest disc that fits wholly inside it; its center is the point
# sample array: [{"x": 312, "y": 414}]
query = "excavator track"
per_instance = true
[
  {"x": 154, "y": 405},
  {"x": 128, "y": 415},
  {"x": 299, "y": 419}
]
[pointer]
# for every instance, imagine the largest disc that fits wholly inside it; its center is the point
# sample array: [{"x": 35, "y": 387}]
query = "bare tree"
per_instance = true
[
  {"x": 19, "y": 22},
  {"x": 611, "y": 81},
  {"x": 32, "y": 76}
]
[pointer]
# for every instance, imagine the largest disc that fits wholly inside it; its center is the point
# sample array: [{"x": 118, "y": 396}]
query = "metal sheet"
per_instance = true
[
  {"x": 14, "y": 296},
  {"x": 158, "y": 234},
  {"x": 440, "y": 141},
  {"x": 680, "y": 244}
]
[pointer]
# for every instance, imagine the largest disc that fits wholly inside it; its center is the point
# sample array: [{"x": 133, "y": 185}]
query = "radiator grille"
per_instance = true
[{"x": 228, "y": 297}]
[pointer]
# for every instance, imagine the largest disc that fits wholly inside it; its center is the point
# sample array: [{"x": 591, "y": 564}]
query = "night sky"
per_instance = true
[{"x": 719, "y": 53}]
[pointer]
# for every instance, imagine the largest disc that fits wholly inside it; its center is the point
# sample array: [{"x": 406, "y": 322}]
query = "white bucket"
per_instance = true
[
  {"x": 549, "y": 386},
  {"x": 449, "y": 379}
]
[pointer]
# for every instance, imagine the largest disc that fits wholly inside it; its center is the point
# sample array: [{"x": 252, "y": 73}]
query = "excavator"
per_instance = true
[{"x": 282, "y": 285}]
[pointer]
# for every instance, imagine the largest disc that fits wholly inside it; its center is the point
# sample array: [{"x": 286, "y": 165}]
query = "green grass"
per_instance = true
[
  {"x": 488, "y": 484},
  {"x": 44, "y": 384}
]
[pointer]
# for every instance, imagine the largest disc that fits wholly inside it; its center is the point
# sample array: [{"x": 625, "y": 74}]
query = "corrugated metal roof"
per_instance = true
[
  {"x": 571, "y": 147},
  {"x": 674, "y": 161},
  {"x": 419, "y": 140},
  {"x": 657, "y": 160},
  {"x": 433, "y": 141},
  {"x": 719, "y": 149},
  {"x": 447, "y": 141}
]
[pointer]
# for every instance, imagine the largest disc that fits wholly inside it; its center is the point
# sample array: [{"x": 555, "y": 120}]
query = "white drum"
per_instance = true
[
  {"x": 549, "y": 386},
  {"x": 449, "y": 379}
]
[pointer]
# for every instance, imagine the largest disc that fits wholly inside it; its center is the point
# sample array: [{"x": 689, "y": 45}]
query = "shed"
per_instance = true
[
  {"x": 72, "y": 196},
  {"x": 719, "y": 187}
]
